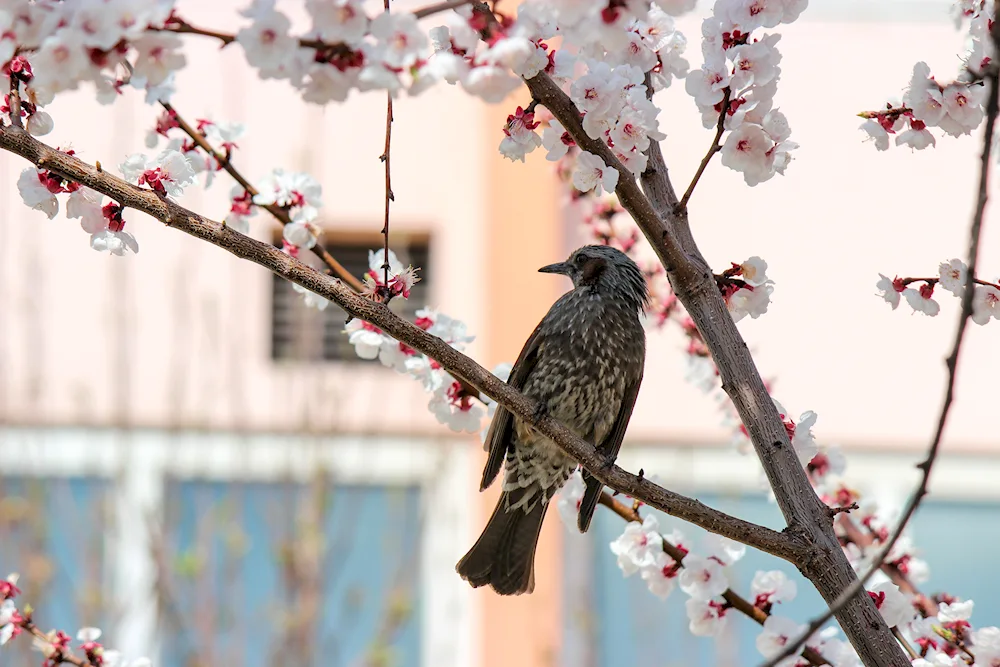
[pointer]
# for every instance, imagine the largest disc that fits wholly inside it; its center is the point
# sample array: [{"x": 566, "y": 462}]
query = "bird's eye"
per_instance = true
[{"x": 579, "y": 260}]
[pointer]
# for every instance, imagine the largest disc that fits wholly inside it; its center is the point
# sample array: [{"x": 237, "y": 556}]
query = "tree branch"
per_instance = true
[
  {"x": 790, "y": 547},
  {"x": 951, "y": 362},
  {"x": 713, "y": 149},
  {"x": 278, "y": 212},
  {"x": 693, "y": 283}
]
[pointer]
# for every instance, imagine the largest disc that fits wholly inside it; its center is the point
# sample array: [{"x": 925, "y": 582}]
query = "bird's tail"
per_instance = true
[{"x": 504, "y": 555}]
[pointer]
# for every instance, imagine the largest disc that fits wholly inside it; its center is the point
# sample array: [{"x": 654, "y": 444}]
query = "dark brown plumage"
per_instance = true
[{"x": 584, "y": 362}]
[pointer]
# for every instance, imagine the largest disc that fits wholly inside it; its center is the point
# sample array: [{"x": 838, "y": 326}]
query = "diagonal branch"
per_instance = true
[
  {"x": 668, "y": 233},
  {"x": 789, "y": 547},
  {"x": 993, "y": 80},
  {"x": 278, "y": 212}
]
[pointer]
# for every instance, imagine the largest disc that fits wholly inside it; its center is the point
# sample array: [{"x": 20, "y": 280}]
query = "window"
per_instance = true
[
  {"x": 292, "y": 574},
  {"x": 301, "y": 333}
]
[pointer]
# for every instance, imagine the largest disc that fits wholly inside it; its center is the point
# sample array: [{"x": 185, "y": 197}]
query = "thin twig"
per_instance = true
[
  {"x": 720, "y": 127},
  {"x": 178, "y": 25},
  {"x": 14, "y": 101},
  {"x": 278, "y": 212},
  {"x": 388, "y": 186},
  {"x": 64, "y": 656},
  {"x": 440, "y": 7},
  {"x": 951, "y": 362},
  {"x": 934, "y": 281},
  {"x": 898, "y": 634},
  {"x": 733, "y": 599}
]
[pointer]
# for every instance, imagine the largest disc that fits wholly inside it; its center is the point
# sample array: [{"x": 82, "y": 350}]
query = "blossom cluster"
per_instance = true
[
  {"x": 612, "y": 95},
  {"x": 955, "y": 108},
  {"x": 953, "y": 276},
  {"x": 221, "y": 136},
  {"x": 55, "y": 645},
  {"x": 104, "y": 222},
  {"x": 938, "y": 627},
  {"x": 737, "y": 83},
  {"x": 452, "y": 403},
  {"x": 108, "y": 44}
]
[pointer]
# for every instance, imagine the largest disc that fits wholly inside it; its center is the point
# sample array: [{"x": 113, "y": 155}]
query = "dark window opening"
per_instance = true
[{"x": 302, "y": 333}]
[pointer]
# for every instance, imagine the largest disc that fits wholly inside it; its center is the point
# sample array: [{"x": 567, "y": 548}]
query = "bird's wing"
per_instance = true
[
  {"x": 608, "y": 449},
  {"x": 498, "y": 438}
]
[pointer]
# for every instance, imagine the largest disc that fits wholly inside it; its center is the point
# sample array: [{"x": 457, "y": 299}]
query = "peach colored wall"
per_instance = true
[
  {"x": 843, "y": 213},
  {"x": 179, "y": 335},
  {"x": 524, "y": 233}
]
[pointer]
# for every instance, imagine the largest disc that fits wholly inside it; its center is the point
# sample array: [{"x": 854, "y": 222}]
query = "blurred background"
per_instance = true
[{"x": 196, "y": 463}]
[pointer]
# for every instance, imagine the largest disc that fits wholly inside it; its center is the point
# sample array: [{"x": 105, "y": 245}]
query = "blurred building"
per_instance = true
[{"x": 196, "y": 463}]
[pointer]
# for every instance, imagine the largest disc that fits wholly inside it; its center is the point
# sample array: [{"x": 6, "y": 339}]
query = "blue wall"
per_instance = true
[
  {"x": 225, "y": 554},
  {"x": 230, "y": 562},
  {"x": 52, "y": 533}
]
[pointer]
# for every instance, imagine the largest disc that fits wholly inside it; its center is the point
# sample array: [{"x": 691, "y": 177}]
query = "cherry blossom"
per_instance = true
[
  {"x": 267, "y": 43},
  {"x": 35, "y": 192},
  {"x": 877, "y": 134},
  {"x": 638, "y": 545},
  {"x": 754, "y": 271},
  {"x": 9, "y": 619},
  {"x": 724, "y": 550},
  {"x": 592, "y": 174},
  {"x": 955, "y": 611},
  {"x": 338, "y": 20},
  {"x": 366, "y": 338},
  {"x": 890, "y": 289},
  {"x": 556, "y": 141},
  {"x": 570, "y": 495},
  {"x": 399, "y": 39},
  {"x": 703, "y": 578},
  {"x": 772, "y": 587},
  {"x": 661, "y": 575},
  {"x": 454, "y": 408},
  {"x": 167, "y": 174},
  {"x": 752, "y": 301},
  {"x": 157, "y": 57},
  {"x": 520, "y": 137},
  {"x": 747, "y": 150},
  {"x": 300, "y": 192},
  {"x": 985, "y": 304},
  {"x": 776, "y": 634},
  {"x": 920, "y": 300},
  {"x": 300, "y": 235},
  {"x": 39, "y": 124},
  {"x": 896, "y": 608},
  {"x": 707, "y": 617},
  {"x": 953, "y": 276},
  {"x": 986, "y": 644}
]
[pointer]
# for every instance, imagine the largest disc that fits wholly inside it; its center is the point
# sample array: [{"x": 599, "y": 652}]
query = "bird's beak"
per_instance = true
[{"x": 561, "y": 267}]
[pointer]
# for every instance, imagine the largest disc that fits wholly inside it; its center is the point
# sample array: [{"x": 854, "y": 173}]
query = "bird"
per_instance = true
[{"x": 584, "y": 364}]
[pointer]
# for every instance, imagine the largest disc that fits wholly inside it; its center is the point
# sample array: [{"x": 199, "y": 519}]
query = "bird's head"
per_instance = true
[{"x": 606, "y": 269}]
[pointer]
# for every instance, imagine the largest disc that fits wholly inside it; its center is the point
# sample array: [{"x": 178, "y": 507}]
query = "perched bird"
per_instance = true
[{"x": 584, "y": 363}]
